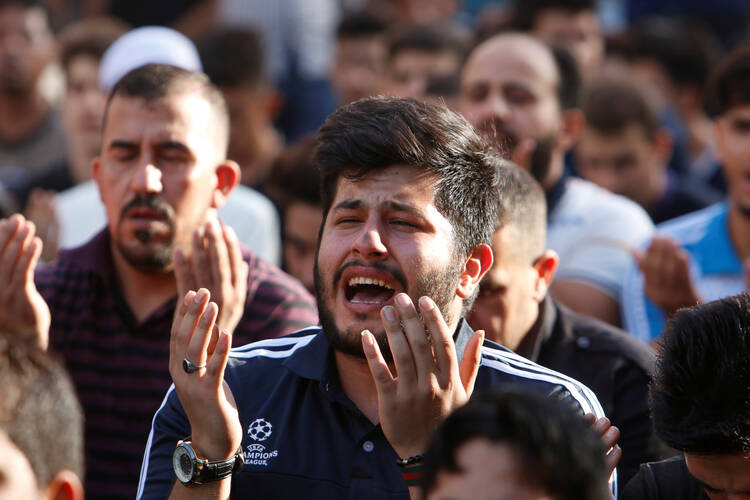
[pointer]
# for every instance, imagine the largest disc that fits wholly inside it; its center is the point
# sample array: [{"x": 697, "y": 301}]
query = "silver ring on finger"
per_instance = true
[{"x": 190, "y": 367}]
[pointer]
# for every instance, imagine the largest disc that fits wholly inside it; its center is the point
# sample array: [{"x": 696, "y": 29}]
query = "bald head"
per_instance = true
[
  {"x": 518, "y": 48},
  {"x": 510, "y": 92}
]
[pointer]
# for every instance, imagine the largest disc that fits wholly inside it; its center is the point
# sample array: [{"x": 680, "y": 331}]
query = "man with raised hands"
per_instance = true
[
  {"x": 107, "y": 305},
  {"x": 346, "y": 410}
]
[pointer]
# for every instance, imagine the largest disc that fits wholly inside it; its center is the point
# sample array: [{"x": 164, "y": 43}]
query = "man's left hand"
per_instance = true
[
  {"x": 429, "y": 382},
  {"x": 215, "y": 264}
]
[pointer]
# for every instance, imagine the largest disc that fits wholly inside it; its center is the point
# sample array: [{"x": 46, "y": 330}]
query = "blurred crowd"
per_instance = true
[{"x": 632, "y": 118}]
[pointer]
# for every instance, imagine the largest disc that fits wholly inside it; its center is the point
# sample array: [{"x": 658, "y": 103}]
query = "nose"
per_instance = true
[
  {"x": 498, "y": 107},
  {"x": 146, "y": 178},
  {"x": 369, "y": 244}
]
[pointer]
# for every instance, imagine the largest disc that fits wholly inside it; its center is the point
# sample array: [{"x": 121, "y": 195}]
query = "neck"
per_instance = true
[
  {"x": 739, "y": 229},
  {"x": 526, "y": 347},
  {"x": 700, "y": 133},
  {"x": 555, "y": 171},
  {"x": 657, "y": 188},
  {"x": 143, "y": 292},
  {"x": 358, "y": 384}
]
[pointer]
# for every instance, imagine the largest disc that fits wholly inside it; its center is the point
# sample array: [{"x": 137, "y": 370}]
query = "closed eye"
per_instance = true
[{"x": 403, "y": 223}]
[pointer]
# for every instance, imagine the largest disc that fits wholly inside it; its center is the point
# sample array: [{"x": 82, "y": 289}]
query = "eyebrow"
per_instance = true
[
  {"x": 348, "y": 205},
  {"x": 388, "y": 205},
  {"x": 172, "y": 145},
  {"x": 401, "y": 207},
  {"x": 119, "y": 143}
]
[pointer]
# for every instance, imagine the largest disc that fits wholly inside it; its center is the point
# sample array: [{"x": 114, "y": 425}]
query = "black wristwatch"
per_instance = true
[{"x": 191, "y": 469}]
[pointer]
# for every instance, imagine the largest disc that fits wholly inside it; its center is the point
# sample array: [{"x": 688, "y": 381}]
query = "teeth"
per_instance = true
[{"x": 361, "y": 280}]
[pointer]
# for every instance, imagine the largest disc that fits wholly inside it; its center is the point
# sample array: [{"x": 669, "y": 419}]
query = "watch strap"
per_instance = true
[{"x": 207, "y": 471}]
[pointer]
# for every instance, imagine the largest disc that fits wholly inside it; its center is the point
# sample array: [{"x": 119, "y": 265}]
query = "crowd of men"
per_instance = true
[{"x": 437, "y": 250}]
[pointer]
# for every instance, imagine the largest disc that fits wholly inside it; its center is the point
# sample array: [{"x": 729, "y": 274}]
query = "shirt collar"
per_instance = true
[{"x": 94, "y": 256}]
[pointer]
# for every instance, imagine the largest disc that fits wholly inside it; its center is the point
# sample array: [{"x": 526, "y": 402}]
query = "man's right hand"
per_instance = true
[
  {"x": 206, "y": 398},
  {"x": 23, "y": 311},
  {"x": 666, "y": 275}
]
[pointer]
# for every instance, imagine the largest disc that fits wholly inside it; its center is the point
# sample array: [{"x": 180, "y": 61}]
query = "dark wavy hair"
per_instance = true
[
  {"x": 375, "y": 133},
  {"x": 700, "y": 393}
]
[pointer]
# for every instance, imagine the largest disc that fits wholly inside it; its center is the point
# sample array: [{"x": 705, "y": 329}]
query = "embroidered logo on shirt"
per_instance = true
[
  {"x": 259, "y": 429},
  {"x": 255, "y": 454}
]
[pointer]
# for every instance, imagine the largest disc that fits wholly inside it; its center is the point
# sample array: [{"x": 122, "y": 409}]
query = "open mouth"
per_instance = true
[{"x": 362, "y": 290}]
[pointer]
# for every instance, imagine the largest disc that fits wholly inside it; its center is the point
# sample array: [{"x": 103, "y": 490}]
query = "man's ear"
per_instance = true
[
  {"x": 96, "y": 165},
  {"x": 271, "y": 103},
  {"x": 477, "y": 263},
  {"x": 227, "y": 177},
  {"x": 545, "y": 266},
  {"x": 65, "y": 485},
  {"x": 572, "y": 126}
]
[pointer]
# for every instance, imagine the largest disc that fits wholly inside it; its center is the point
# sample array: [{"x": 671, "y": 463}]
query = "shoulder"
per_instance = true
[
  {"x": 594, "y": 336},
  {"x": 278, "y": 348},
  {"x": 663, "y": 480},
  {"x": 693, "y": 227},
  {"x": 591, "y": 202},
  {"x": 501, "y": 365},
  {"x": 91, "y": 257}
]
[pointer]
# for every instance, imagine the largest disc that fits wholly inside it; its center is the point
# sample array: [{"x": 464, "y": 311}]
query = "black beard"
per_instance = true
[
  {"x": 541, "y": 159},
  {"x": 159, "y": 260},
  {"x": 506, "y": 141},
  {"x": 440, "y": 286}
]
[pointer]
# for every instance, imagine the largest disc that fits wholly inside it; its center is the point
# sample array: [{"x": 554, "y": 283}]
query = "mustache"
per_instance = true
[
  {"x": 397, "y": 275},
  {"x": 150, "y": 202}
]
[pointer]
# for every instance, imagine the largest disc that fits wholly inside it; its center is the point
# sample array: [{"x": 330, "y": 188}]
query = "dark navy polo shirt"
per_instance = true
[{"x": 303, "y": 437}]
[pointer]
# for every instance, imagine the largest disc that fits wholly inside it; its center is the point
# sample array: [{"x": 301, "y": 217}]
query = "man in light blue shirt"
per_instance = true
[{"x": 699, "y": 257}]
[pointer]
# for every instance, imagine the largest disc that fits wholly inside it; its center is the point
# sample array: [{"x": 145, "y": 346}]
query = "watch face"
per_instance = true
[{"x": 183, "y": 464}]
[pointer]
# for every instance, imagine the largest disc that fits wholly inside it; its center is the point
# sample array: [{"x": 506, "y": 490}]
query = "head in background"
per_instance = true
[
  {"x": 729, "y": 101},
  {"x": 295, "y": 187},
  {"x": 80, "y": 49},
  {"x": 514, "y": 445},
  {"x": 510, "y": 294},
  {"x": 418, "y": 53},
  {"x": 701, "y": 392},
  {"x": 26, "y": 47},
  {"x": 233, "y": 60},
  {"x": 519, "y": 93},
  {"x": 570, "y": 24},
  {"x": 624, "y": 148},
  {"x": 360, "y": 57},
  {"x": 41, "y": 425}
]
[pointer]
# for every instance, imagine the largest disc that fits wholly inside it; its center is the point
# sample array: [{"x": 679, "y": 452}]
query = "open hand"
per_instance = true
[
  {"x": 666, "y": 275},
  {"x": 205, "y": 396},
  {"x": 216, "y": 264},
  {"x": 609, "y": 435},
  {"x": 428, "y": 383},
  {"x": 40, "y": 209},
  {"x": 23, "y": 311}
]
